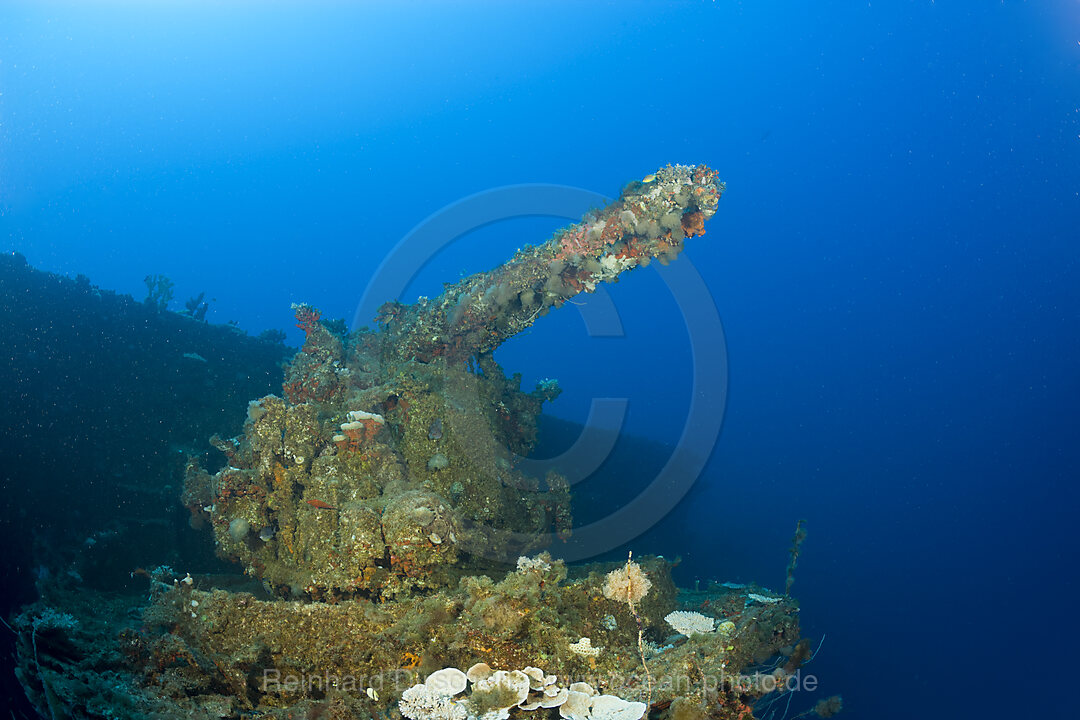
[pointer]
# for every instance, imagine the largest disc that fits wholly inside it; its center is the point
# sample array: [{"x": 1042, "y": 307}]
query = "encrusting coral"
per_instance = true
[
  {"x": 649, "y": 221},
  {"x": 388, "y": 464},
  {"x": 379, "y": 506}
]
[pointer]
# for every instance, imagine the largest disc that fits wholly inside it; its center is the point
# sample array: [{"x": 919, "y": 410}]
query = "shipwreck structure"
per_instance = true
[
  {"x": 387, "y": 464},
  {"x": 396, "y": 553}
]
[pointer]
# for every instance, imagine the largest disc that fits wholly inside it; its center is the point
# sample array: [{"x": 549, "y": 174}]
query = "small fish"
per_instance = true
[
  {"x": 649, "y": 178},
  {"x": 320, "y": 505}
]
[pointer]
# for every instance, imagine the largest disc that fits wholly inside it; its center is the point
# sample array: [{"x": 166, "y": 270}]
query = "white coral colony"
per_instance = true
[
  {"x": 448, "y": 681},
  {"x": 690, "y": 623},
  {"x": 528, "y": 689},
  {"x": 610, "y": 707}
]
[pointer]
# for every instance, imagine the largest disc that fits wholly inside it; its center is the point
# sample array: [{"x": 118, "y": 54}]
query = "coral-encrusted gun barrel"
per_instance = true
[{"x": 651, "y": 219}]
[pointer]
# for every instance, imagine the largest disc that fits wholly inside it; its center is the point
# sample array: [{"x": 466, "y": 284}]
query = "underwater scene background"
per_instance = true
[{"x": 882, "y": 315}]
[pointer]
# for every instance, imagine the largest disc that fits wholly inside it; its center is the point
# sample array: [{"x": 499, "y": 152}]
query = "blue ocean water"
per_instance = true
[{"x": 894, "y": 261}]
